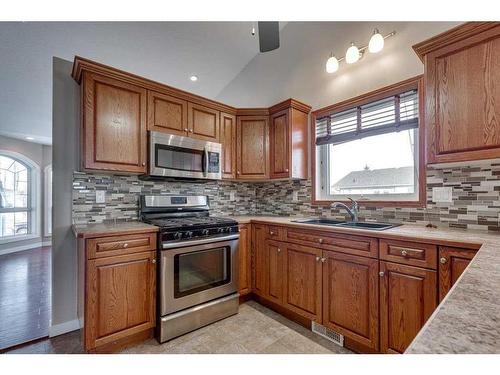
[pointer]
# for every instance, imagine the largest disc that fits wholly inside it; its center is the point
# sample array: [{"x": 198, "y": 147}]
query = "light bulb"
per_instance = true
[
  {"x": 332, "y": 64},
  {"x": 193, "y": 78},
  {"x": 376, "y": 43},
  {"x": 352, "y": 54}
]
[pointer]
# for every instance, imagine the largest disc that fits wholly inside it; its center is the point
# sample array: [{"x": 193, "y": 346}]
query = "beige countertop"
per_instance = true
[
  {"x": 100, "y": 230},
  {"x": 468, "y": 319}
]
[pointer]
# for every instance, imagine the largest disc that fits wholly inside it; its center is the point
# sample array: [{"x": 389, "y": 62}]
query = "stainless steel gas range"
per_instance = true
[{"x": 197, "y": 280}]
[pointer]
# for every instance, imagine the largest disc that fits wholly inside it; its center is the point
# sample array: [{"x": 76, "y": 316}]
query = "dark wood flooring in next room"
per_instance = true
[{"x": 25, "y": 296}]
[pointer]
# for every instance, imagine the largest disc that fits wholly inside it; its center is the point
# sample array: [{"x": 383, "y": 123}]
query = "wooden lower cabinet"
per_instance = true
[
  {"x": 273, "y": 272},
  {"x": 408, "y": 296},
  {"x": 244, "y": 257},
  {"x": 120, "y": 297},
  {"x": 351, "y": 297},
  {"x": 452, "y": 263},
  {"x": 302, "y": 270},
  {"x": 259, "y": 234}
]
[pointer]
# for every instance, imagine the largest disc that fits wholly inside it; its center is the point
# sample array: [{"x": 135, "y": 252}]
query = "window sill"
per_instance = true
[
  {"x": 381, "y": 204},
  {"x": 11, "y": 239}
]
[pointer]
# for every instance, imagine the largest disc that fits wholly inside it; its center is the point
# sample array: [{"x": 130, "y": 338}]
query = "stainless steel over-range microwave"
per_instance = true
[{"x": 176, "y": 156}]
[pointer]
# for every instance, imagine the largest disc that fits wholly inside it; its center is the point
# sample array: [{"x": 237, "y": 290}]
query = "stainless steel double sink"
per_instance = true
[{"x": 347, "y": 224}]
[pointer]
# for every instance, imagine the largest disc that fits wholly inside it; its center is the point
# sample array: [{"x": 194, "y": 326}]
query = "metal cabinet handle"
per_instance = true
[
  {"x": 323, "y": 260},
  {"x": 286, "y": 170},
  {"x": 143, "y": 164},
  {"x": 271, "y": 233},
  {"x": 191, "y": 130},
  {"x": 318, "y": 259},
  {"x": 237, "y": 172},
  {"x": 381, "y": 274},
  {"x": 443, "y": 260},
  {"x": 125, "y": 245},
  {"x": 279, "y": 250},
  {"x": 186, "y": 129},
  {"x": 153, "y": 260},
  {"x": 320, "y": 240},
  {"x": 404, "y": 253}
]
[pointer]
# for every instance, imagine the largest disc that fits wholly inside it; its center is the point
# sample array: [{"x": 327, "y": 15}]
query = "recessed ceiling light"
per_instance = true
[
  {"x": 193, "y": 78},
  {"x": 30, "y": 138}
]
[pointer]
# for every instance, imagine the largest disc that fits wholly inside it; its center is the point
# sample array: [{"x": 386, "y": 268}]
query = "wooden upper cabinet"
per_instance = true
[
  {"x": 252, "y": 144},
  {"x": 280, "y": 145},
  {"x": 114, "y": 125},
  {"x": 462, "y": 110},
  {"x": 228, "y": 140},
  {"x": 452, "y": 263},
  {"x": 120, "y": 296},
  {"x": 203, "y": 122},
  {"x": 302, "y": 281},
  {"x": 408, "y": 296},
  {"x": 167, "y": 114},
  {"x": 289, "y": 146},
  {"x": 244, "y": 260}
]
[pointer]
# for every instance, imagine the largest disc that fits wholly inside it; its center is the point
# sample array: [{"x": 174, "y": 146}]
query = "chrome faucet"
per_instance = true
[{"x": 353, "y": 210}]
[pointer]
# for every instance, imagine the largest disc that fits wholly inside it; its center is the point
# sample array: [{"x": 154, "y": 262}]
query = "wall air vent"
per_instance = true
[{"x": 328, "y": 334}]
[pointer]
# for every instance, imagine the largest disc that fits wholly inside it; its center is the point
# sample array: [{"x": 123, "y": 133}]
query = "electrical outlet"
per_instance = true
[
  {"x": 442, "y": 194},
  {"x": 100, "y": 196}
]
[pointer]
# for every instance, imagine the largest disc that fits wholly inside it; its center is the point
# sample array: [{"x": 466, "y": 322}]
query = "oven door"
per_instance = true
[
  {"x": 177, "y": 156},
  {"x": 197, "y": 272}
]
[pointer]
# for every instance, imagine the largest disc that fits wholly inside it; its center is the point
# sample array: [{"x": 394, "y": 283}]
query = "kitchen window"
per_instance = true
[
  {"x": 370, "y": 150},
  {"x": 16, "y": 198}
]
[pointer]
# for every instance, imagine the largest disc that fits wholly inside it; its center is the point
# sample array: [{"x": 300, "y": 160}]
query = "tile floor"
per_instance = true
[
  {"x": 255, "y": 329},
  {"x": 24, "y": 296}
]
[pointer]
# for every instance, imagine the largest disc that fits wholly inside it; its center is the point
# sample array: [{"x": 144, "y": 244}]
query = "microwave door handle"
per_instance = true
[{"x": 205, "y": 166}]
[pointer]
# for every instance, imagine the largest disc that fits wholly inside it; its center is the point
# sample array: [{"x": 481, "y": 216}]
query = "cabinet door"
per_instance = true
[
  {"x": 408, "y": 296},
  {"x": 259, "y": 264},
  {"x": 114, "y": 125},
  {"x": 167, "y": 114},
  {"x": 302, "y": 281},
  {"x": 245, "y": 260},
  {"x": 120, "y": 292},
  {"x": 462, "y": 110},
  {"x": 279, "y": 139},
  {"x": 228, "y": 140},
  {"x": 274, "y": 271},
  {"x": 203, "y": 122},
  {"x": 252, "y": 147},
  {"x": 452, "y": 262},
  {"x": 350, "y": 297}
]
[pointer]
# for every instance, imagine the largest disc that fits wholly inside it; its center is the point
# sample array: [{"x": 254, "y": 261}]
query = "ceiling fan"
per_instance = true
[{"x": 269, "y": 35}]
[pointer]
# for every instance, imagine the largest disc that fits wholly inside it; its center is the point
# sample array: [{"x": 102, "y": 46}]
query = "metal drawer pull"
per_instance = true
[
  {"x": 404, "y": 253},
  {"x": 320, "y": 240},
  {"x": 153, "y": 260},
  {"x": 318, "y": 259},
  {"x": 381, "y": 274},
  {"x": 125, "y": 245},
  {"x": 443, "y": 260},
  {"x": 271, "y": 233},
  {"x": 323, "y": 260},
  {"x": 279, "y": 250}
]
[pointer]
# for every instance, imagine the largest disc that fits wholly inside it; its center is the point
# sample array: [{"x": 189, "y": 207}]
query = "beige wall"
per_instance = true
[
  {"x": 42, "y": 156},
  {"x": 297, "y": 68}
]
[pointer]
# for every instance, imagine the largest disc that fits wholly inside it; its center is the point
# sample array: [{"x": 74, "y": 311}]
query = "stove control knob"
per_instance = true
[
  {"x": 220, "y": 230},
  {"x": 177, "y": 235},
  {"x": 205, "y": 232},
  {"x": 189, "y": 234}
]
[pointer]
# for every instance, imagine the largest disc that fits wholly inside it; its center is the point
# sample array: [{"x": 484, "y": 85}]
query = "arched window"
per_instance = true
[{"x": 17, "y": 196}]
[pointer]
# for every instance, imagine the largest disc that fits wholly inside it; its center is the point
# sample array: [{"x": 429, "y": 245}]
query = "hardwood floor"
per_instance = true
[{"x": 25, "y": 296}]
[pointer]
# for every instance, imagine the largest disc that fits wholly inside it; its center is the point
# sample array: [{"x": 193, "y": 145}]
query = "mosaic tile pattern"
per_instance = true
[{"x": 476, "y": 198}]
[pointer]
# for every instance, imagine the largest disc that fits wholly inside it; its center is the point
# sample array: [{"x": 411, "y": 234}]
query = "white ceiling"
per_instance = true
[{"x": 168, "y": 52}]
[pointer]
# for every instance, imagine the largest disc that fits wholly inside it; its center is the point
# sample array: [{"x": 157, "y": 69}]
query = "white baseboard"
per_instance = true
[
  {"x": 24, "y": 247},
  {"x": 65, "y": 327}
]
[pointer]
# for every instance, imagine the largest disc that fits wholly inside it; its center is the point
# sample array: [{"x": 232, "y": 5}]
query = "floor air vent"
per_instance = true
[{"x": 327, "y": 333}]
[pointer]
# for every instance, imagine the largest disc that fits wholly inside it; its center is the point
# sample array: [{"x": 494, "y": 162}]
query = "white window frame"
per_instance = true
[
  {"x": 35, "y": 198},
  {"x": 323, "y": 179}
]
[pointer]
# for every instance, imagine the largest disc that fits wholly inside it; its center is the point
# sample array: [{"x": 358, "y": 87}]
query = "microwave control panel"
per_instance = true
[{"x": 213, "y": 162}]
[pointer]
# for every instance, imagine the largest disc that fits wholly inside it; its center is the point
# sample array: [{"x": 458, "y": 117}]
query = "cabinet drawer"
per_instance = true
[
  {"x": 356, "y": 245},
  {"x": 412, "y": 253},
  {"x": 120, "y": 245},
  {"x": 275, "y": 233}
]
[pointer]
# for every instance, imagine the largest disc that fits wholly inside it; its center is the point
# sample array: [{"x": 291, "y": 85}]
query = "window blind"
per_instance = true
[{"x": 394, "y": 113}]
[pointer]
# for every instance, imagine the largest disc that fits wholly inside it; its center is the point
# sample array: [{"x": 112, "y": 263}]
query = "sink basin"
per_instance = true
[
  {"x": 365, "y": 225},
  {"x": 319, "y": 221},
  {"x": 347, "y": 224}
]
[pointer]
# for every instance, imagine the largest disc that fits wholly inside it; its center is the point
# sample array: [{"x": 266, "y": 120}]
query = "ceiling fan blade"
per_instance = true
[{"x": 269, "y": 36}]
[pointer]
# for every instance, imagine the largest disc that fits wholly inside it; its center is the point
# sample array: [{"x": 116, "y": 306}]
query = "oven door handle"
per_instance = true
[
  {"x": 174, "y": 245},
  {"x": 205, "y": 162}
]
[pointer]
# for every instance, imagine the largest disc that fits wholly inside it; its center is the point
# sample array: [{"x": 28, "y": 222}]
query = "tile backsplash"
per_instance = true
[{"x": 475, "y": 198}]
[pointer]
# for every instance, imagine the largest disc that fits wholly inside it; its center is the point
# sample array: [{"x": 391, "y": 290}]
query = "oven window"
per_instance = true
[
  {"x": 201, "y": 270},
  {"x": 178, "y": 158}
]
